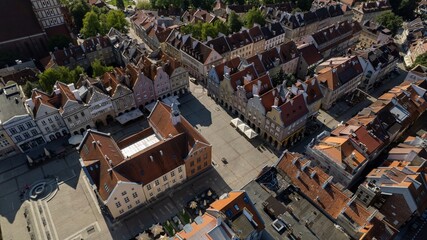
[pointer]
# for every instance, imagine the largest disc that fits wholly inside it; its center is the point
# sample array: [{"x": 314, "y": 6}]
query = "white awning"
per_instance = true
[
  {"x": 243, "y": 127},
  {"x": 76, "y": 139},
  {"x": 126, "y": 117},
  {"x": 251, "y": 133},
  {"x": 236, "y": 122}
]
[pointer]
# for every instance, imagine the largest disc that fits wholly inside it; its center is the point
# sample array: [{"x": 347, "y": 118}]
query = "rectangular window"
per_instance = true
[
  {"x": 76, "y": 117},
  {"x": 180, "y": 169},
  {"x": 34, "y": 132},
  {"x": 158, "y": 189},
  {"x": 118, "y": 204},
  {"x": 192, "y": 171},
  {"x": 26, "y": 135},
  {"x": 49, "y": 120},
  {"x": 135, "y": 195},
  {"x": 172, "y": 174},
  {"x": 199, "y": 160},
  {"x": 157, "y": 182},
  {"x": 47, "y": 129},
  {"x": 148, "y": 187},
  {"x": 137, "y": 202},
  {"x": 126, "y": 199},
  {"x": 165, "y": 178},
  {"x": 18, "y": 138},
  {"x": 13, "y": 131},
  {"x": 205, "y": 164},
  {"x": 121, "y": 211},
  {"x": 29, "y": 125},
  {"x": 21, "y": 127},
  {"x": 124, "y": 193},
  {"x": 192, "y": 164},
  {"x": 130, "y": 206}
]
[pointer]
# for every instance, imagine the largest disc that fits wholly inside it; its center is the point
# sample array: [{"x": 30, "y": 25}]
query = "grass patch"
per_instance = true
[
  {"x": 185, "y": 217},
  {"x": 168, "y": 228},
  {"x": 126, "y": 2}
]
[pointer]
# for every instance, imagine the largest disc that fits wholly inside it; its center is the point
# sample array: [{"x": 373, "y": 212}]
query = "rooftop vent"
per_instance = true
[{"x": 329, "y": 180}]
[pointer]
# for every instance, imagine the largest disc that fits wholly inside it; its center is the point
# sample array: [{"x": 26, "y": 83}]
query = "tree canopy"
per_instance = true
[
  {"x": 282, "y": 76},
  {"x": 254, "y": 16},
  {"x": 421, "y": 60},
  {"x": 404, "y": 8},
  {"x": 63, "y": 74},
  {"x": 94, "y": 23},
  {"x": 120, "y": 4},
  {"x": 234, "y": 23},
  {"x": 78, "y": 10},
  {"x": 98, "y": 69},
  {"x": 202, "y": 31},
  {"x": 390, "y": 21}
]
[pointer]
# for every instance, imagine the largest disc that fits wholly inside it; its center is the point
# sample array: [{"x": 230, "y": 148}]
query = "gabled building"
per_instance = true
[
  {"x": 397, "y": 188},
  {"x": 141, "y": 85},
  {"x": 75, "y": 113},
  {"x": 18, "y": 131},
  {"x": 335, "y": 39},
  {"x": 274, "y": 35},
  {"x": 233, "y": 216},
  {"x": 136, "y": 170},
  {"x": 358, "y": 221},
  {"x": 100, "y": 104},
  {"x": 126, "y": 50},
  {"x": 113, "y": 84},
  {"x": 309, "y": 58},
  {"x": 378, "y": 64},
  {"x": 312, "y": 94},
  {"x": 338, "y": 77},
  {"x": 345, "y": 153},
  {"x": 216, "y": 75},
  {"x": 44, "y": 110},
  {"x": 370, "y": 10},
  {"x": 200, "y": 15},
  {"x": 373, "y": 34}
]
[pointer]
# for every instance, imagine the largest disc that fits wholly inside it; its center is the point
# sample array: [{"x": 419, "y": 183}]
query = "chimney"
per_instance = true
[
  {"x": 29, "y": 103},
  {"x": 56, "y": 91},
  {"x": 313, "y": 173},
  {"x": 77, "y": 95},
  {"x": 276, "y": 102},
  {"x": 175, "y": 115},
  {"x": 161, "y": 153}
]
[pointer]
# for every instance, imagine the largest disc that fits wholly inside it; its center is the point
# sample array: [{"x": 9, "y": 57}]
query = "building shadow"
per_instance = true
[{"x": 194, "y": 111}]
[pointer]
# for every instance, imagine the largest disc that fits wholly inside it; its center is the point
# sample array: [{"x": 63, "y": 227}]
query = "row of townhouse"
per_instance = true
[
  {"x": 398, "y": 187},
  {"x": 336, "y": 39},
  {"x": 196, "y": 57},
  {"x": 81, "y": 55},
  {"x": 370, "y": 10},
  {"x": 300, "y": 24},
  {"x": 137, "y": 170},
  {"x": 279, "y": 113},
  {"x": 71, "y": 109},
  {"x": 247, "y": 43},
  {"x": 345, "y": 151}
]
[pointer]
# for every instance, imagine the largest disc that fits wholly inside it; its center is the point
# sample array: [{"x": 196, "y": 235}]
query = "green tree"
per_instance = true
[
  {"x": 91, "y": 25},
  {"x": 116, "y": 19},
  {"x": 120, "y": 4},
  {"x": 59, "y": 41},
  {"x": 304, "y": 5},
  {"x": 221, "y": 27},
  {"x": 98, "y": 69},
  {"x": 281, "y": 76},
  {"x": 28, "y": 88},
  {"x": 390, "y": 21},
  {"x": 144, "y": 5},
  {"x": 254, "y": 16},
  {"x": 234, "y": 23},
  {"x": 78, "y": 10},
  {"x": 208, "y": 30},
  {"x": 404, "y": 8},
  {"x": 421, "y": 60},
  {"x": 63, "y": 74}
]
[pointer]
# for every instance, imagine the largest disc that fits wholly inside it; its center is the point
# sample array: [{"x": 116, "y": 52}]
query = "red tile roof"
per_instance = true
[
  {"x": 310, "y": 54},
  {"x": 293, "y": 109}
]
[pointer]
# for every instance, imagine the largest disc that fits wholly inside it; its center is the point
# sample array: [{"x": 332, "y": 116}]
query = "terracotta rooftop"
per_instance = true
[
  {"x": 328, "y": 198},
  {"x": 334, "y": 77}
]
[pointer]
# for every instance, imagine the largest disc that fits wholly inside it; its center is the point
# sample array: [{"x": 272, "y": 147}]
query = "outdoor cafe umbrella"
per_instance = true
[
  {"x": 143, "y": 236},
  {"x": 193, "y": 205},
  {"x": 243, "y": 127},
  {"x": 163, "y": 237},
  {"x": 30, "y": 160},
  {"x": 47, "y": 153},
  {"x": 156, "y": 229},
  {"x": 236, "y": 122},
  {"x": 250, "y": 133},
  {"x": 76, "y": 139}
]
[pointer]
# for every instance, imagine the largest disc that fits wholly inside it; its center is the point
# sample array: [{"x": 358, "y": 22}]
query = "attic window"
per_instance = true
[
  {"x": 236, "y": 207},
  {"x": 246, "y": 199},
  {"x": 106, "y": 188}
]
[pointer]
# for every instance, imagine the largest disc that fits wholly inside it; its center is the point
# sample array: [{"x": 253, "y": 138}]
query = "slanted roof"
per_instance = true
[{"x": 310, "y": 54}]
